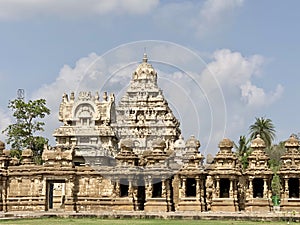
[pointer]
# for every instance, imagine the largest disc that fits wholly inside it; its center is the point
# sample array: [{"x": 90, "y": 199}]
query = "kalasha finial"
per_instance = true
[{"x": 145, "y": 58}]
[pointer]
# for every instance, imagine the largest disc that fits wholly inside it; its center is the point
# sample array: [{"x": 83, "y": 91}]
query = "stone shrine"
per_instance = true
[
  {"x": 290, "y": 175},
  {"x": 259, "y": 176}
]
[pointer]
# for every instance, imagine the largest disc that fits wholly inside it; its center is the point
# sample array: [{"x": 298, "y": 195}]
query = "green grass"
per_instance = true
[{"x": 87, "y": 221}]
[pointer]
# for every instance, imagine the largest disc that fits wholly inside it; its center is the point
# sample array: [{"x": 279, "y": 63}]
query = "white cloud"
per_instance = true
[
  {"x": 257, "y": 97},
  {"x": 69, "y": 79},
  {"x": 235, "y": 73},
  {"x": 215, "y": 13},
  {"x": 18, "y": 9},
  {"x": 199, "y": 18}
]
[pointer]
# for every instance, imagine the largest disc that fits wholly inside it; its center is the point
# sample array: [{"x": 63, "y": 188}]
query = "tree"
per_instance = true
[
  {"x": 21, "y": 134},
  {"x": 265, "y": 128},
  {"x": 275, "y": 152},
  {"x": 243, "y": 150}
]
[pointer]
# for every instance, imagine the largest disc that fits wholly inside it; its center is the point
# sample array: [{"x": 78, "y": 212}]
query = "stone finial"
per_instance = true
[
  {"x": 27, "y": 155},
  {"x": 145, "y": 70},
  {"x": 292, "y": 142},
  {"x": 179, "y": 143},
  {"x": 105, "y": 96},
  {"x": 258, "y": 142},
  {"x": 72, "y": 96},
  {"x": 226, "y": 143},
  {"x": 192, "y": 142},
  {"x": 145, "y": 58}
]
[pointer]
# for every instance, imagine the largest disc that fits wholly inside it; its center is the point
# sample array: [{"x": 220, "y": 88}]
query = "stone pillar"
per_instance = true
[
  {"x": 198, "y": 191},
  {"x": 70, "y": 194},
  {"x": 231, "y": 189},
  {"x": 250, "y": 187},
  {"x": 183, "y": 187},
  {"x": 117, "y": 189},
  {"x": 202, "y": 187},
  {"x": 265, "y": 194},
  {"x": 148, "y": 184},
  {"x": 286, "y": 187},
  {"x": 217, "y": 188},
  {"x": 163, "y": 188},
  {"x": 130, "y": 189}
]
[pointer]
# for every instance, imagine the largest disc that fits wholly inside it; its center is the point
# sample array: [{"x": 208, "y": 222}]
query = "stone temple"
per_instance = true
[{"x": 131, "y": 156}]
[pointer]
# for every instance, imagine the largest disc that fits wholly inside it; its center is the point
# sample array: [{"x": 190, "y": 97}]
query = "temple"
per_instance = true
[{"x": 131, "y": 156}]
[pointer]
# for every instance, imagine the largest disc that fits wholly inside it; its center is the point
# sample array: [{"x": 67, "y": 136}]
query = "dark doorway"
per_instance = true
[
  {"x": 124, "y": 186},
  {"x": 224, "y": 188},
  {"x": 50, "y": 196},
  {"x": 293, "y": 188},
  {"x": 55, "y": 198},
  {"x": 258, "y": 188},
  {"x": 157, "y": 188},
  {"x": 141, "y": 198},
  {"x": 190, "y": 190}
]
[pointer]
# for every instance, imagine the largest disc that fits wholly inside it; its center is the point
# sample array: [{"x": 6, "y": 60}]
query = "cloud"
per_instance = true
[
  {"x": 235, "y": 73},
  {"x": 18, "y": 9},
  {"x": 69, "y": 79},
  {"x": 257, "y": 97},
  {"x": 199, "y": 18},
  {"x": 214, "y": 13}
]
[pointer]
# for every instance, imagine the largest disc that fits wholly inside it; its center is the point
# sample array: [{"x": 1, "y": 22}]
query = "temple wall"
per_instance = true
[{"x": 24, "y": 190}]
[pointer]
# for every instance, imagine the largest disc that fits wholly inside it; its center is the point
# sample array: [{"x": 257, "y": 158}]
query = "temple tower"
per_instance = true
[
  {"x": 259, "y": 176},
  {"x": 290, "y": 176},
  {"x": 86, "y": 125},
  {"x": 222, "y": 180},
  {"x": 143, "y": 114}
]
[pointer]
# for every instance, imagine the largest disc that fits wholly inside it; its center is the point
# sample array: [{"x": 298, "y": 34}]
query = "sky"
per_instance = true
[{"x": 221, "y": 63}]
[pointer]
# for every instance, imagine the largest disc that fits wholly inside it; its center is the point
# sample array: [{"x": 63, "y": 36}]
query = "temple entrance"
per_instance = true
[
  {"x": 190, "y": 190},
  {"x": 124, "y": 186},
  {"x": 224, "y": 188},
  {"x": 293, "y": 188},
  {"x": 157, "y": 188},
  {"x": 258, "y": 188},
  {"x": 55, "y": 195},
  {"x": 141, "y": 198}
]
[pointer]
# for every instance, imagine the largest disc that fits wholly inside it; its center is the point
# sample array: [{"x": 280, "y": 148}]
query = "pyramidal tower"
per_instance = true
[{"x": 143, "y": 114}]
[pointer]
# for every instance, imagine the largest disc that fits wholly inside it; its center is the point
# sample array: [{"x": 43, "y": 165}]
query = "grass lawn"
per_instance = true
[{"x": 86, "y": 221}]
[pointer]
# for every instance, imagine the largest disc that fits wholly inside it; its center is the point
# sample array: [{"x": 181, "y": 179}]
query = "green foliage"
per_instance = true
[
  {"x": 28, "y": 116},
  {"x": 276, "y": 185},
  {"x": 275, "y": 152},
  {"x": 243, "y": 150},
  {"x": 265, "y": 128},
  {"x": 15, "y": 153}
]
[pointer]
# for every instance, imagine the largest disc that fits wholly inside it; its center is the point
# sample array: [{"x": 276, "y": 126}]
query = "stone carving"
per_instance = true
[
  {"x": 87, "y": 123},
  {"x": 143, "y": 114},
  {"x": 133, "y": 157},
  {"x": 58, "y": 156}
]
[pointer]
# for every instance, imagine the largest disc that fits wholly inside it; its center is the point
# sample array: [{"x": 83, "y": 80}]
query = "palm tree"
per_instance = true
[{"x": 265, "y": 128}]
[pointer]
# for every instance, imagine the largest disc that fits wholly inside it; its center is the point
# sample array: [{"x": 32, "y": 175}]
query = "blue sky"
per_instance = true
[{"x": 250, "y": 49}]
